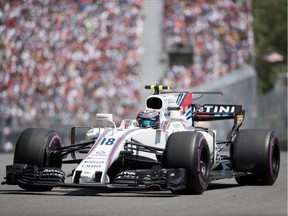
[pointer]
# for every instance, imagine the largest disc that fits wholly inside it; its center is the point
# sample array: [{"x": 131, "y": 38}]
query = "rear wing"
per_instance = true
[{"x": 210, "y": 112}]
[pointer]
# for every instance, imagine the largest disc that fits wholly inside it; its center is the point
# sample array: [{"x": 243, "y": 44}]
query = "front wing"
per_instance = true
[{"x": 132, "y": 180}]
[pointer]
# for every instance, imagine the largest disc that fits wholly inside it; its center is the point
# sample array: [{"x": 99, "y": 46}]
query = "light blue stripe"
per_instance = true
[{"x": 180, "y": 99}]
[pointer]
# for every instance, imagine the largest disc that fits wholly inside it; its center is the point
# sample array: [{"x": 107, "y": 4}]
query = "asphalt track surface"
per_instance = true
[{"x": 224, "y": 197}]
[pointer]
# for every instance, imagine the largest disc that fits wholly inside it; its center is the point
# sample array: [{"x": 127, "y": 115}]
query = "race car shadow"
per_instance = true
[
  {"x": 97, "y": 192},
  {"x": 113, "y": 193},
  {"x": 94, "y": 192},
  {"x": 218, "y": 186},
  {"x": 89, "y": 192}
]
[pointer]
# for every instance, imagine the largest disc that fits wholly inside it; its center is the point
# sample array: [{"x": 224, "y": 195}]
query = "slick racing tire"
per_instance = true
[
  {"x": 31, "y": 149},
  {"x": 189, "y": 150},
  {"x": 256, "y": 151}
]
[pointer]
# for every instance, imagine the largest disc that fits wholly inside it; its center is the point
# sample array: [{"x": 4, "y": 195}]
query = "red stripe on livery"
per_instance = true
[{"x": 111, "y": 155}]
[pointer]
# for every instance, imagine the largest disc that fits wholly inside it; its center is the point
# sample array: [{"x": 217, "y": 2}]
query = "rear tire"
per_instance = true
[
  {"x": 257, "y": 151},
  {"x": 189, "y": 150},
  {"x": 31, "y": 148}
]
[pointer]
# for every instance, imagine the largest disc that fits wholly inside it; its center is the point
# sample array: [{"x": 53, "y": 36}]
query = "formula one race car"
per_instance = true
[{"x": 162, "y": 149}]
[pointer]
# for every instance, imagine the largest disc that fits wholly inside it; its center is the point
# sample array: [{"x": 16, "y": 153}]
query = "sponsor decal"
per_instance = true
[
  {"x": 91, "y": 166},
  {"x": 176, "y": 125},
  {"x": 100, "y": 153},
  {"x": 94, "y": 162},
  {"x": 207, "y": 108},
  {"x": 86, "y": 172},
  {"x": 127, "y": 175},
  {"x": 168, "y": 101},
  {"x": 96, "y": 158}
]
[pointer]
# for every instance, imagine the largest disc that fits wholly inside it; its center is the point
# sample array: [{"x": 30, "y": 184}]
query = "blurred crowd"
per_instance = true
[
  {"x": 70, "y": 59},
  {"x": 219, "y": 34}
]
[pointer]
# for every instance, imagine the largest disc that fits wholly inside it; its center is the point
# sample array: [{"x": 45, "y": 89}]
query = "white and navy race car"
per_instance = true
[{"x": 162, "y": 149}]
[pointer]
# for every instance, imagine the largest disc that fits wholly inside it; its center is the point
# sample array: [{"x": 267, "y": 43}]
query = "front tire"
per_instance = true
[
  {"x": 257, "y": 151},
  {"x": 31, "y": 149},
  {"x": 189, "y": 150}
]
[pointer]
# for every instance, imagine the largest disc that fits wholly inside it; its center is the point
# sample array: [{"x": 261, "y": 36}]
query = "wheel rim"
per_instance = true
[
  {"x": 203, "y": 169},
  {"x": 54, "y": 143},
  {"x": 204, "y": 164},
  {"x": 275, "y": 160}
]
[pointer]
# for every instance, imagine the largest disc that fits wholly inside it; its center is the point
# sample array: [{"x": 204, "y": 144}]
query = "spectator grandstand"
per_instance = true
[
  {"x": 219, "y": 34},
  {"x": 69, "y": 58},
  {"x": 72, "y": 59}
]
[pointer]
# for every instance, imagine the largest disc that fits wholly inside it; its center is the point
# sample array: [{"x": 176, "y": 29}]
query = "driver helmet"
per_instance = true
[{"x": 148, "y": 119}]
